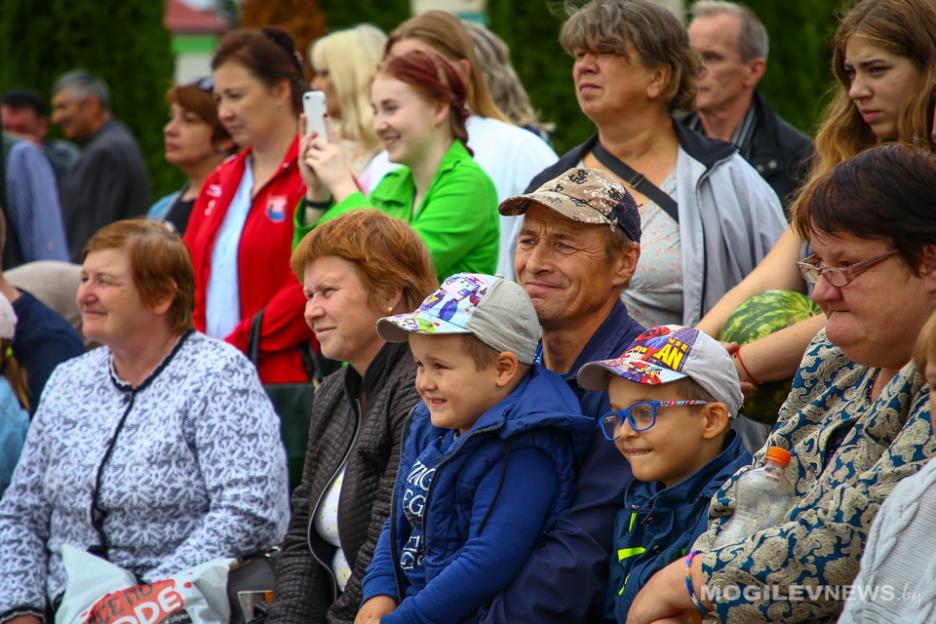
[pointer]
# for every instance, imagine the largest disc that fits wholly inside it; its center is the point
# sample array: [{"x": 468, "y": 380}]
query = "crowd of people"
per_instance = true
[{"x": 531, "y": 418}]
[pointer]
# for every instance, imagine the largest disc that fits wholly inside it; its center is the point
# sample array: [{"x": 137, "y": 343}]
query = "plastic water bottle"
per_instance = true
[{"x": 764, "y": 496}]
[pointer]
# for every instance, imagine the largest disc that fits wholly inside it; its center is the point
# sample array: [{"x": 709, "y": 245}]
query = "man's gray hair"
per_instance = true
[
  {"x": 752, "y": 42},
  {"x": 84, "y": 84}
]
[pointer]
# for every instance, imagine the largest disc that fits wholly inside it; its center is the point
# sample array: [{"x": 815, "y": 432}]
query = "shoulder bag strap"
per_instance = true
[
  {"x": 309, "y": 360},
  {"x": 253, "y": 338},
  {"x": 637, "y": 181}
]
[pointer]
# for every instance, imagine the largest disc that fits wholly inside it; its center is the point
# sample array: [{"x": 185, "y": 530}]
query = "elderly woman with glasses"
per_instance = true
[{"x": 858, "y": 418}]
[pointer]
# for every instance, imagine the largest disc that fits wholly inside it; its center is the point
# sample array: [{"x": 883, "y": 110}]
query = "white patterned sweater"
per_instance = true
[
  {"x": 198, "y": 471},
  {"x": 897, "y": 581}
]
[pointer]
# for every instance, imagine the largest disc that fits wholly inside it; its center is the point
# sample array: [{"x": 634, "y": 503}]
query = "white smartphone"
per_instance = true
[{"x": 313, "y": 105}]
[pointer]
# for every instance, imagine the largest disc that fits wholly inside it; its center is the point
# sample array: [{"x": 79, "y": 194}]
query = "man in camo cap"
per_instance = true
[{"x": 577, "y": 249}]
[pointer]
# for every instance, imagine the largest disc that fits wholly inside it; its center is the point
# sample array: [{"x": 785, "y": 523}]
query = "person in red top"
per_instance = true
[{"x": 240, "y": 233}]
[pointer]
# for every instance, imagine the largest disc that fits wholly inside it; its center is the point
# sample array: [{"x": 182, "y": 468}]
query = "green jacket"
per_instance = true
[{"x": 457, "y": 218}]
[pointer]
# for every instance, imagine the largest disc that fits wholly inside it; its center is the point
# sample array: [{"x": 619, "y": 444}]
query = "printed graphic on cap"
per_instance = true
[
  {"x": 663, "y": 350},
  {"x": 456, "y": 300}
]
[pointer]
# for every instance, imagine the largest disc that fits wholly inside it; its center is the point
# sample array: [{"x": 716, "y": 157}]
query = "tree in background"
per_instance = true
[
  {"x": 300, "y": 18},
  {"x": 122, "y": 41},
  {"x": 799, "y": 75},
  {"x": 384, "y": 14}
]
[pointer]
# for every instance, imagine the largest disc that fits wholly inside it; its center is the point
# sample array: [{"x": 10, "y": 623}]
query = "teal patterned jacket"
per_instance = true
[{"x": 800, "y": 570}]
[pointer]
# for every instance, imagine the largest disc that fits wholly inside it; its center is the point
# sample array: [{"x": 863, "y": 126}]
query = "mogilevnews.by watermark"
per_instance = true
[{"x": 812, "y": 593}]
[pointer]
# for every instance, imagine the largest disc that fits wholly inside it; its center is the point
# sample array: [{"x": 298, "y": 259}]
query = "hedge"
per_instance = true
[{"x": 122, "y": 41}]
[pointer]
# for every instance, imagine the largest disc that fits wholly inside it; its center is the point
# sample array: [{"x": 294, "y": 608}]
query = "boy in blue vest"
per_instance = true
[
  {"x": 487, "y": 460},
  {"x": 673, "y": 394}
]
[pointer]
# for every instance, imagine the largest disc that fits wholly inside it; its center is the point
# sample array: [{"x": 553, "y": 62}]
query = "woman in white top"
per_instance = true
[
  {"x": 344, "y": 64},
  {"x": 510, "y": 155}
]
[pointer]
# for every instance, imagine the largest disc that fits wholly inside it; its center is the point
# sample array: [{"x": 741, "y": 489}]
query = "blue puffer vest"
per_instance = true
[{"x": 542, "y": 412}]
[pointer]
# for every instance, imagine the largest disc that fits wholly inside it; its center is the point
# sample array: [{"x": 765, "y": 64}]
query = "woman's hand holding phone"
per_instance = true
[{"x": 323, "y": 165}]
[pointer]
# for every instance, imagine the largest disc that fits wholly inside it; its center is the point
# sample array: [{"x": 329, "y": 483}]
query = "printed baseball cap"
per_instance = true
[
  {"x": 497, "y": 311},
  {"x": 586, "y": 196},
  {"x": 669, "y": 353}
]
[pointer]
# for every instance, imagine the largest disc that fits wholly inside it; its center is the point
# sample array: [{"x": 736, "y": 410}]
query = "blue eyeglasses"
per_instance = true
[{"x": 640, "y": 416}]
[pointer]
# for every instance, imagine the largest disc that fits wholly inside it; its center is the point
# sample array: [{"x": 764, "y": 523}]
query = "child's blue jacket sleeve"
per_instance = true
[
  {"x": 379, "y": 579},
  {"x": 489, "y": 561}
]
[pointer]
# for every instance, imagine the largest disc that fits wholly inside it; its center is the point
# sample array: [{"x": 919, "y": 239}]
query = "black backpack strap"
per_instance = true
[
  {"x": 637, "y": 180},
  {"x": 310, "y": 362}
]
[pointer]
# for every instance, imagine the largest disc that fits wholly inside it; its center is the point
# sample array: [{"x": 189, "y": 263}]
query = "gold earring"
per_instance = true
[{"x": 389, "y": 310}]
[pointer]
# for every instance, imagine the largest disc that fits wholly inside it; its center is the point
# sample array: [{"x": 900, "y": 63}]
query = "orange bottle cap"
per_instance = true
[{"x": 778, "y": 455}]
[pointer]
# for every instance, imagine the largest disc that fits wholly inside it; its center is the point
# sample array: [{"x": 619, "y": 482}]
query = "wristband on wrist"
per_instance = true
[
  {"x": 317, "y": 205},
  {"x": 692, "y": 594},
  {"x": 737, "y": 354}
]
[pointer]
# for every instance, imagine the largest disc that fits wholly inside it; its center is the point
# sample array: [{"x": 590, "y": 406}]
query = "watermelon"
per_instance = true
[{"x": 759, "y": 316}]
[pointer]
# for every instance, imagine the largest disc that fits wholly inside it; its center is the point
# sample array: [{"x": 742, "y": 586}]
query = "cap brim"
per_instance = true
[
  {"x": 559, "y": 202},
  {"x": 397, "y": 328},
  {"x": 595, "y": 375}
]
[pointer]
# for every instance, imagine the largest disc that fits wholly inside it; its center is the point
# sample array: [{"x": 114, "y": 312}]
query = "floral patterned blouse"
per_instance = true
[
  {"x": 196, "y": 471},
  {"x": 848, "y": 454}
]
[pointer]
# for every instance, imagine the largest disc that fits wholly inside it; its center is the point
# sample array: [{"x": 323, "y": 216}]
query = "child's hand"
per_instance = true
[{"x": 374, "y": 609}]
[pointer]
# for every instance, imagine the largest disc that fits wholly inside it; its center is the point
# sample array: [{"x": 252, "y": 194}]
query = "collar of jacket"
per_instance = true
[
  {"x": 541, "y": 399},
  {"x": 702, "y": 484},
  {"x": 239, "y": 160},
  {"x": 701, "y": 148},
  {"x": 377, "y": 374},
  {"x": 399, "y": 187},
  {"x": 606, "y": 342}
]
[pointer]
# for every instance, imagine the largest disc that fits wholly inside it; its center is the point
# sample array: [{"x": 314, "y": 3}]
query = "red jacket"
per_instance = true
[{"x": 266, "y": 280}]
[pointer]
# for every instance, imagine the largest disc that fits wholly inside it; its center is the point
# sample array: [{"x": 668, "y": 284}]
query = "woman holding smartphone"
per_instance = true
[
  {"x": 240, "y": 234},
  {"x": 420, "y": 114}
]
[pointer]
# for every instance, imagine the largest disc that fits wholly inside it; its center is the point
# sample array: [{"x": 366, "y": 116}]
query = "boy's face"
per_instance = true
[
  {"x": 670, "y": 450},
  {"x": 449, "y": 383}
]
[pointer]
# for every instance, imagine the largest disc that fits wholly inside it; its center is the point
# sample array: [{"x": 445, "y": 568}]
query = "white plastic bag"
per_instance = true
[{"x": 98, "y": 592}]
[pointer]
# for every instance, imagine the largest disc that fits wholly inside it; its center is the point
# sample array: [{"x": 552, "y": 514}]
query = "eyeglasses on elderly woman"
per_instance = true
[{"x": 840, "y": 277}]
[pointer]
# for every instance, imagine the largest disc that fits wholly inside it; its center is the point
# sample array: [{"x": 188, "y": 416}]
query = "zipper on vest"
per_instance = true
[
  {"x": 311, "y": 526},
  {"x": 394, "y": 557},
  {"x": 438, "y": 467}
]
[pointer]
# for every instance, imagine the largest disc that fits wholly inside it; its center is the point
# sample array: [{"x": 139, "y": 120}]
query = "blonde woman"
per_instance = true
[{"x": 344, "y": 64}]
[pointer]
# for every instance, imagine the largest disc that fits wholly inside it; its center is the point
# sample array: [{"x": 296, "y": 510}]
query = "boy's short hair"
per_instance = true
[
  {"x": 671, "y": 354},
  {"x": 495, "y": 311},
  {"x": 925, "y": 346},
  {"x": 689, "y": 390},
  {"x": 481, "y": 354}
]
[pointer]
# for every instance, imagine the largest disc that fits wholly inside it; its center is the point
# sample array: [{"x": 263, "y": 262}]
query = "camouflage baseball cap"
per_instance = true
[{"x": 584, "y": 195}]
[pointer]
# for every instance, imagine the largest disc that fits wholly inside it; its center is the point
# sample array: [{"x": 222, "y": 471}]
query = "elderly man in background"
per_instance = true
[
  {"x": 108, "y": 182},
  {"x": 733, "y": 45},
  {"x": 577, "y": 249}
]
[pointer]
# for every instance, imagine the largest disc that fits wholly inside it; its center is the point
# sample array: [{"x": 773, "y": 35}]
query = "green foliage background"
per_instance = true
[
  {"x": 122, "y": 41},
  {"x": 797, "y": 79},
  {"x": 125, "y": 43}
]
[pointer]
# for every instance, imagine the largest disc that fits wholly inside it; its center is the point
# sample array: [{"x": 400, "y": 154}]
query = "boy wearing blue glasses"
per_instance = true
[{"x": 674, "y": 393}]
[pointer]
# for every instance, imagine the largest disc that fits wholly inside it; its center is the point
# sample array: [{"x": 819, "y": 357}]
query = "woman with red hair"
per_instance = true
[{"x": 420, "y": 114}]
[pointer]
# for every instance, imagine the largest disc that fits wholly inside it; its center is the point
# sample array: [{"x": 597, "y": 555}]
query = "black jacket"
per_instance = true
[
  {"x": 369, "y": 447},
  {"x": 778, "y": 151}
]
